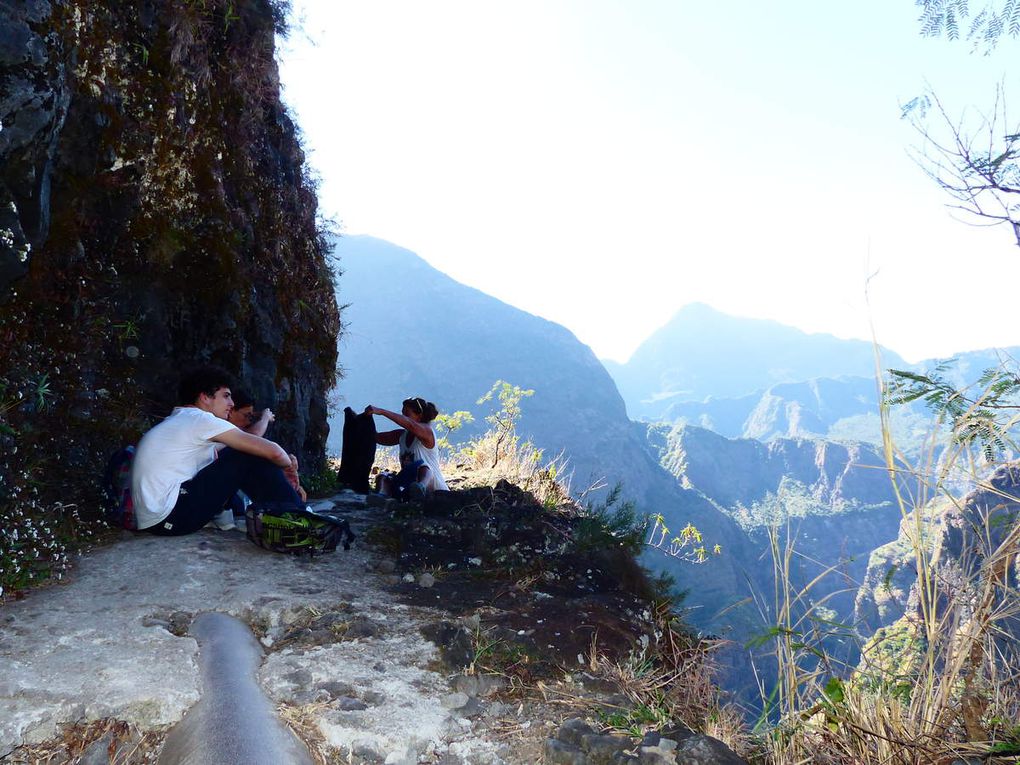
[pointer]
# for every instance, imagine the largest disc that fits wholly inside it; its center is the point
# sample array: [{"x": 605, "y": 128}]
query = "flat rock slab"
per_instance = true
[{"x": 102, "y": 643}]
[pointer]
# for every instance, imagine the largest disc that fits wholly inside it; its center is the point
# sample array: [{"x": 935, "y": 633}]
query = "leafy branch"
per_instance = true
[{"x": 985, "y": 418}]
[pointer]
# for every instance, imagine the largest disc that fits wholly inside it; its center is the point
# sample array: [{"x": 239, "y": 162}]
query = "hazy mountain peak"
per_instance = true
[{"x": 704, "y": 352}]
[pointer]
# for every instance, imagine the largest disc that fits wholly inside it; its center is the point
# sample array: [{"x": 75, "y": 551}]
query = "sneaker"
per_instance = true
[{"x": 223, "y": 521}]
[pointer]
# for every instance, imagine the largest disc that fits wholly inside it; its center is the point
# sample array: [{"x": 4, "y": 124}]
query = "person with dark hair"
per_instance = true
[
  {"x": 188, "y": 466},
  {"x": 243, "y": 414},
  {"x": 419, "y": 473}
]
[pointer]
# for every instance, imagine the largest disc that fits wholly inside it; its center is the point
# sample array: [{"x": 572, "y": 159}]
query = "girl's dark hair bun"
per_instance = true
[
  {"x": 430, "y": 413},
  {"x": 426, "y": 409}
]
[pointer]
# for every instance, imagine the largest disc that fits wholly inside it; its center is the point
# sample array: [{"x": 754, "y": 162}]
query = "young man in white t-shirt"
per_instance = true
[{"x": 188, "y": 466}]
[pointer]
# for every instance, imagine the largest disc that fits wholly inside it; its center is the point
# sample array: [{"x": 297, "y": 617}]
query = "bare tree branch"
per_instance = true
[{"x": 975, "y": 159}]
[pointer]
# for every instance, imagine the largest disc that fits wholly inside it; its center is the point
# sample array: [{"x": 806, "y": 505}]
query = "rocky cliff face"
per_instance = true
[
  {"x": 959, "y": 535},
  {"x": 739, "y": 473},
  {"x": 154, "y": 212},
  {"x": 835, "y": 499}
]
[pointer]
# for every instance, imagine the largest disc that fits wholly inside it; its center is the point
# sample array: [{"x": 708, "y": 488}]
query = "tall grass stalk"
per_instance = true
[{"x": 942, "y": 682}]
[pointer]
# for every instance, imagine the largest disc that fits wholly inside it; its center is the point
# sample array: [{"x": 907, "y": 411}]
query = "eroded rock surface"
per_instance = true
[
  {"x": 364, "y": 662},
  {"x": 344, "y": 656}
]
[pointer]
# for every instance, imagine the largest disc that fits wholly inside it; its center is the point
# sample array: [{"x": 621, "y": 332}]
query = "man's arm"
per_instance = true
[
  {"x": 260, "y": 447},
  {"x": 259, "y": 427}
]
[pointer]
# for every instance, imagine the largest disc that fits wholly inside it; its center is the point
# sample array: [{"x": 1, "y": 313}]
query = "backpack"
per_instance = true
[
  {"x": 115, "y": 488},
  {"x": 282, "y": 527}
]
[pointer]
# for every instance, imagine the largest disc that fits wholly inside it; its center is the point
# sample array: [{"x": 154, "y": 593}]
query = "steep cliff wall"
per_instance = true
[
  {"x": 835, "y": 501},
  {"x": 959, "y": 534},
  {"x": 154, "y": 211}
]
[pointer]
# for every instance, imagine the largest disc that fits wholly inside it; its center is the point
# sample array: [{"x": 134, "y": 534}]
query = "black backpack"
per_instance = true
[
  {"x": 283, "y": 527},
  {"x": 115, "y": 488}
]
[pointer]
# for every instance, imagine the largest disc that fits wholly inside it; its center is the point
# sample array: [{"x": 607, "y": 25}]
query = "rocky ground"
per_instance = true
[{"x": 458, "y": 632}]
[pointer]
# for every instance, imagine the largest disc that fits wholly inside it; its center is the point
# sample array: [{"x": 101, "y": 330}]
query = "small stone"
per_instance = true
[
  {"x": 497, "y": 709},
  {"x": 466, "y": 684},
  {"x": 409, "y": 578},
  {"x": 572, "y": 730},
  {"x": 366, "y": 753},
  {"x": 667, "y": 744},
  {"x": 426, "y": 580},
  {"x": 600, "y": 749},
  {"x": 391, "y": 580},
  {"x": 180, "y": 621},
  {"x": 348, "y": 704},
  {"x": 489, "y": 684},
  {"x": 362, "y": 627},
  {"x": 663, "y": 752},
  {"x": 98, "y": 753},
  {"x": 321, "y": 637},
  {"x": 299, "y": 677},
  {"x": 336, "y": 688},
  {"x": 559, "y": 753},
  {"x": 375, "y": 698},
  {"x": 455, "y": 700},
  {"x": 473, "y": 622},
  {"x": 386, "y": 566},
  {"x": 700, "y": 749},
  {"x": 307, "y": 696},
  {"x": 402, "y": 757}
]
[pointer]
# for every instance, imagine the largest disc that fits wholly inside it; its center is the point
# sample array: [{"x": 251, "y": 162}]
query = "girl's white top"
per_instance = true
[{"x": 429, "y": 456}]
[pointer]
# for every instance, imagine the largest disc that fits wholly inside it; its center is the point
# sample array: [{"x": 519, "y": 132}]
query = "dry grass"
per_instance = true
[
  {"x": 941, "y": 685},
  {"x": 302, "y": 722},
  {"x": 670, "y": 682},
  {"x": 123, "y": 745},
  {"x": 487, "y": 460}
]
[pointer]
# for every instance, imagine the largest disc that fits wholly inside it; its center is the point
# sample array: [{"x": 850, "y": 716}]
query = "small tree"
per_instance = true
[
  {"x": 449, "y": 423},
  {"x": 504, "y": 420}
]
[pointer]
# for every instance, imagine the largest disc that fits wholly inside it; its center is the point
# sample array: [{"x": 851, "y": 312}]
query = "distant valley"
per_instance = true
[{"x": 729, "y": 424}]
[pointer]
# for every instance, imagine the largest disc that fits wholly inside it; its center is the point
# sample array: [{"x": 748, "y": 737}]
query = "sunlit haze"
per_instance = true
[{"x": 602, "y": 163}]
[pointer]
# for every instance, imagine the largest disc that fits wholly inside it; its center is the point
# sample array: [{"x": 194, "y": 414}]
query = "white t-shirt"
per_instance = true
[{"x": 168, "y": 455}]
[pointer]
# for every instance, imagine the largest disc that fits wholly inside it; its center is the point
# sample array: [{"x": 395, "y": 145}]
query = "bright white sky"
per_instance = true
[{"x": 602, "y": 163}]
